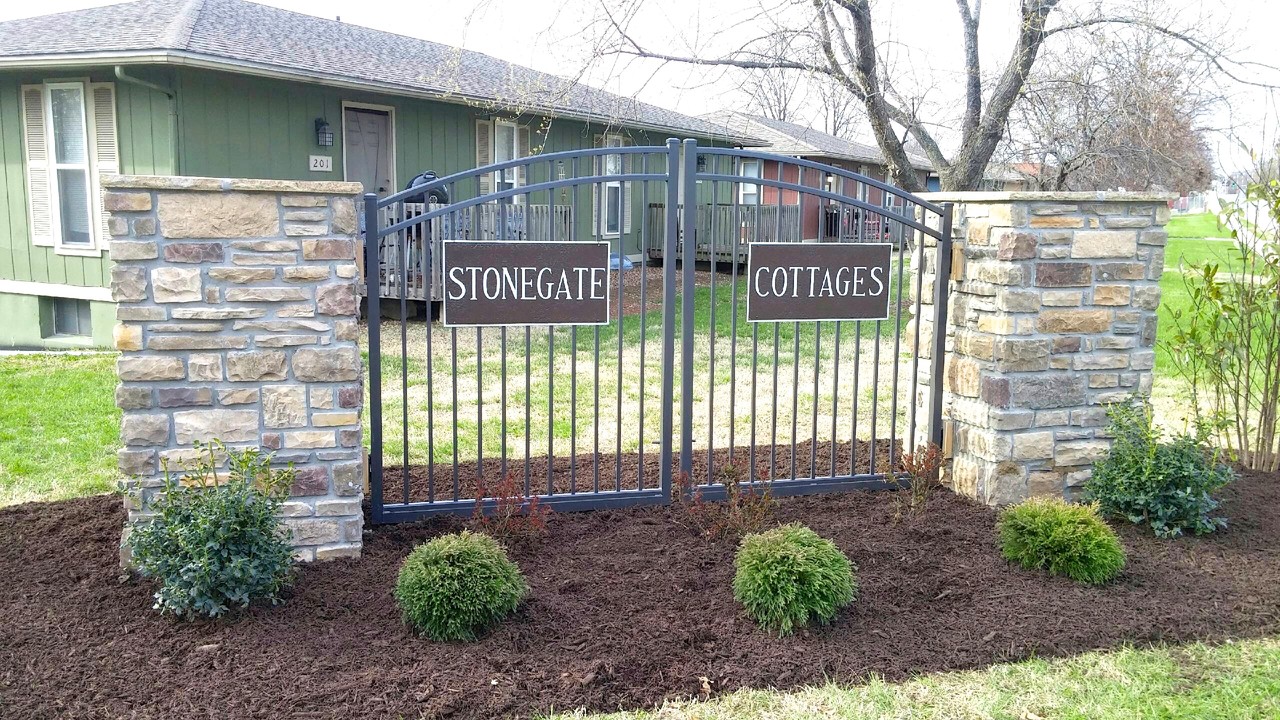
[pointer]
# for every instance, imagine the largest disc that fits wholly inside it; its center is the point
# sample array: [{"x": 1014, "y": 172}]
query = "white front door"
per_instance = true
[{"x": 367, "y": 141}]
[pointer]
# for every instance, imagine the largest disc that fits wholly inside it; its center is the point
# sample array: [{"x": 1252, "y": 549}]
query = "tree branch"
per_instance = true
[{"x": 973, "y": 72}]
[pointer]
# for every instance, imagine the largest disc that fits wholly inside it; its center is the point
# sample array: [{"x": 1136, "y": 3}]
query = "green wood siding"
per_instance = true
[
  {"x": 146, "y": 142},
  {"x": 240, "y": 126}
]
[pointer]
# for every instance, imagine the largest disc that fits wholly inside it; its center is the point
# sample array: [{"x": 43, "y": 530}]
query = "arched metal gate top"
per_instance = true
[{"x": 680, "y": 203}]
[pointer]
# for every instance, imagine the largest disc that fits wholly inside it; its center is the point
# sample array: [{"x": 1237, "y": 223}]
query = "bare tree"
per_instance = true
[
  {"x": 841, "y": 110},
  {"x": 1118, "y": 110},
  {"x": 774, "y": 91},
  {"x": 842, "y": 35}
]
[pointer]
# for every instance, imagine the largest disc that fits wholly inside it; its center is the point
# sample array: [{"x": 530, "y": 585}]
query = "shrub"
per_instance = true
[
  {"x": 745, "y": 508},
  {"x": 215, "y": 544},
  {"x": 1224, "y": 341},
  {"x": 456, "y": 586},
  {"x": 922, "y": 467},
  {"x": 1062, "y": 538},
  {"x": 789, "y": 575},
  {"x": 1168, "y": 486},
  {"x": 513, "y": 516}
]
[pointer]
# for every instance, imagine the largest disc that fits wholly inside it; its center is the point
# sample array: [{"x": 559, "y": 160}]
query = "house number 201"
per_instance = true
[{"x": 322, "y": 163}]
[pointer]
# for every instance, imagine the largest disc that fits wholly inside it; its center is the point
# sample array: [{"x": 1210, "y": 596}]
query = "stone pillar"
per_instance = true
[
  {"x": 1052, "y": 316},
  {"x": 237, "y": 310}
]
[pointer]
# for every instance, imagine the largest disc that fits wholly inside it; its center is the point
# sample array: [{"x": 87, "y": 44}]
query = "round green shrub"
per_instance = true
[
  {"x": 456, "y": 586},
  {"x": 1062, "y": 538},
  {"x": 789, "y": 575}
]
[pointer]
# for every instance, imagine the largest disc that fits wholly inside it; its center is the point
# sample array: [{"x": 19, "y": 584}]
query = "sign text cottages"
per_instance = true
[{"x": 806, "y": 281}]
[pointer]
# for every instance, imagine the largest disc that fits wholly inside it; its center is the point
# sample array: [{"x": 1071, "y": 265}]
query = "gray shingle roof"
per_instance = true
[
  {"x": 246, "y": 33},
  {"x": 786, "y": 138}
]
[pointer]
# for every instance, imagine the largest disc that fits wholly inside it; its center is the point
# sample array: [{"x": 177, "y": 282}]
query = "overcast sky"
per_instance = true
[{"x": 922, "y": 35}]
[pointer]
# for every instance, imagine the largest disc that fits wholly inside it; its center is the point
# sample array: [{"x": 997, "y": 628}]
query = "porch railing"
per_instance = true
[
  {"x": 417, "y": 247},
  {"x": 722, "y": 229}
]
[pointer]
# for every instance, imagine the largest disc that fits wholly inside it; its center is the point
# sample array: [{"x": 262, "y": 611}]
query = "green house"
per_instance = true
[{"x": 228, "y": 88}]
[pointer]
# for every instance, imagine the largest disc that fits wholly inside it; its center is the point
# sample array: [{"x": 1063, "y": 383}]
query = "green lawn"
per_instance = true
[
  {"x": 1194, "y": 240},
  {"x": 1235, "y": 680},
  {"x": 1196, "y": 226},
  {"x": 59, "y": 426},
  {"x": 629, "y": 373}
]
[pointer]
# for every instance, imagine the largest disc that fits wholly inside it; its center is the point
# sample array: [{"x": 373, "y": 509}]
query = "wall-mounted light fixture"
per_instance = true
[
  {"x": 702, "y": 163},
  {"x": 324, "y": 136}
]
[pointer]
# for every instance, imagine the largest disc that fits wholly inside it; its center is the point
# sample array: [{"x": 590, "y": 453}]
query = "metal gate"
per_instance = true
[{"x": 606, "y": 415}]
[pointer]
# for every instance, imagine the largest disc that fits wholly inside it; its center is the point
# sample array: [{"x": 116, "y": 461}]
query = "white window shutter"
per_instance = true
[
  {"x": 104, "y": 144},
  {"x": 626, "y": 193},
  {"x": 484, "y": 154},
  {"x": 34, "y": 132},
  {"x": 522, "y": 151}
]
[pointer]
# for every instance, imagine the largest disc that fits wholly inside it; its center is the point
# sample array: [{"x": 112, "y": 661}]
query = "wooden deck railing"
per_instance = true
[
  {"x": 723, "y": 228},
  {"x": 410, "y": 259}
]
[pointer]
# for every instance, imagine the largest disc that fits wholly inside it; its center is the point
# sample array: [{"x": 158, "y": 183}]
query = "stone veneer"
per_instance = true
[
  {"x": 237, "y": 310},
  {"x": 1052, "y": 316}
]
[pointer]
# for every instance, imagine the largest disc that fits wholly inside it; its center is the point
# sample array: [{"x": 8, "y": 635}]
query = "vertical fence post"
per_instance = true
[
  {"x": 941, "y": 284},
  {"x": 688, "y": 257},
  {"x": 669, "y": 314},
  {"x": 373, "y": 309}
]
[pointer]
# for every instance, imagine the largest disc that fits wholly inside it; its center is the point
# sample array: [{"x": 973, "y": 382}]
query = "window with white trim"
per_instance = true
[
  {"x": 497, "y": 141},
  {"x": 69, "y": 134},
  {"x": 749, "y": 193},
  {"x": 504, "y": 150},
  {"x": 611, "y": 217},
  {"x": 70, "y": 189}
]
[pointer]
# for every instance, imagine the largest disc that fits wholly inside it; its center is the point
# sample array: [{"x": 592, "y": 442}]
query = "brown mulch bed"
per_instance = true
[
  {"x": 650, "y": 278},
  {"x": 627, "y": 608},
  {"x": 570, "y": 474}
]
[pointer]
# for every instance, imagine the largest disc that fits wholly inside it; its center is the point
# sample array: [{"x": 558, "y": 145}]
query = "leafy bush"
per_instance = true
[
  {"x": 513, "y": 516},
  {"x": 455, "y": 586},
  {"x": 1062, "y": 538},
  {"x": 1225, "y": 343},
  {"x": 1168, "y": 486},
  {"x": 215, "y": 544},
  {"x": 745, "y": 508},
  {"x": 789, "y": 575}
]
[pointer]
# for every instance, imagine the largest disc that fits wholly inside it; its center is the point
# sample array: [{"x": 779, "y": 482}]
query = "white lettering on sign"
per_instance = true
[
  {"x": 816, "y": 282},
  {"x": 321, "y": 163},
  {"x": 527, "y": 283},
  {"x": 489, "y": 282}
]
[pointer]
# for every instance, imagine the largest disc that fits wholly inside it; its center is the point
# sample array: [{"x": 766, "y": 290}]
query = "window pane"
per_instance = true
[
  {"x": 504, "y": 143},
  {"x": 73, "y": 206},
  {"x": 71, "y": 317},
  {"x": 69, "y": 138},
  {"x": 749, "y": 193},
  {"x": 612, "y": 208}
]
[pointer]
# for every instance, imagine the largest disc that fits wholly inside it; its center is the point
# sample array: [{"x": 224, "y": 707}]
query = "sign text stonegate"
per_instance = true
[
  {"x": 810, "y": 281},
  {"x": 525, "y": 283}
]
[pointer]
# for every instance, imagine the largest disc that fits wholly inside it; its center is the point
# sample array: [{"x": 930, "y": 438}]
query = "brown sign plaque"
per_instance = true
[
  {"x": 817, "y": 281},
  {"x": 525, "y": 283}
]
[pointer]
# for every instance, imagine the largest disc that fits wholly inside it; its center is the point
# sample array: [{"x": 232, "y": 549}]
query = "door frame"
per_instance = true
[{"x": 391, "y": 122}]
